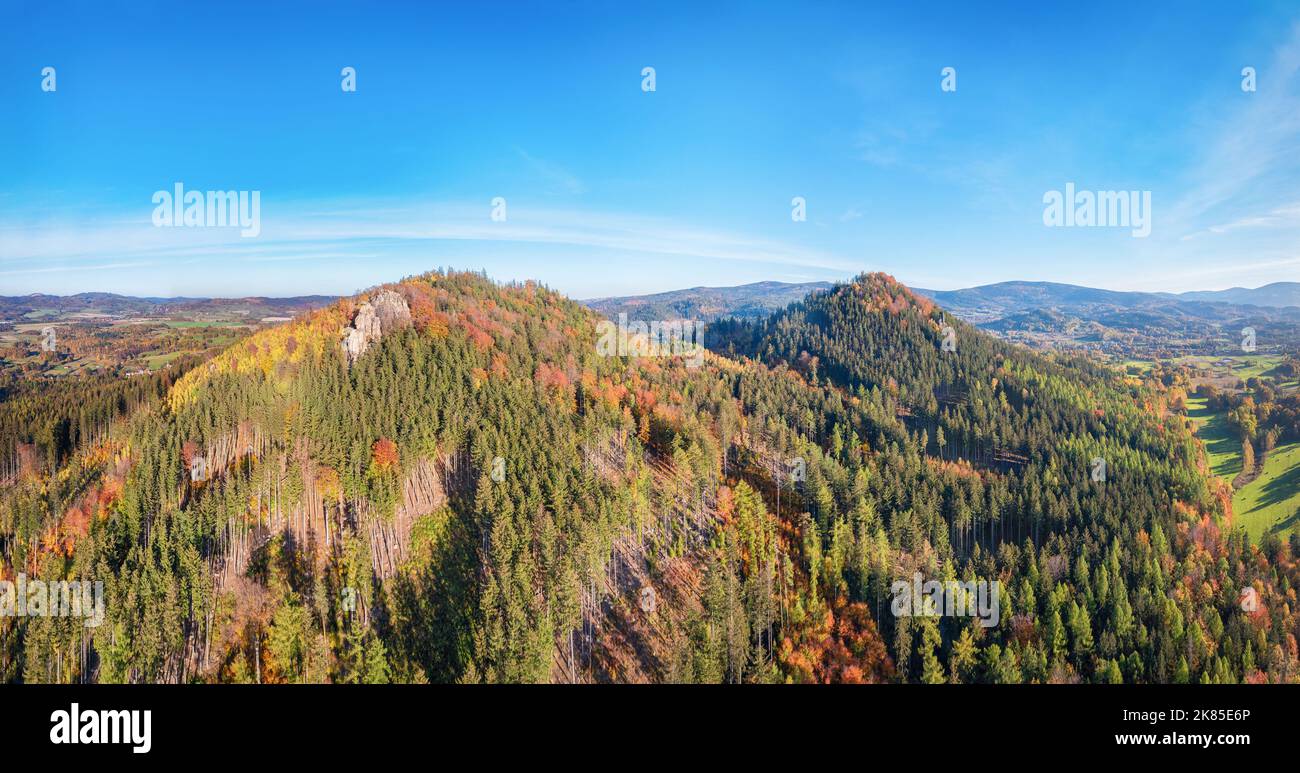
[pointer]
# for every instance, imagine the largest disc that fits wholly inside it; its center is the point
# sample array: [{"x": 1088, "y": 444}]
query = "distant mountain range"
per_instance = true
[
  {"x": 1276, "y": 294},
  {"x": 37, "y": 305},
  {"x": 749, "y": 301},
  {"x": 1004, "y": 296},
  {"x": 982, "y": 304},
  {"x": 1040, "y": 314}
]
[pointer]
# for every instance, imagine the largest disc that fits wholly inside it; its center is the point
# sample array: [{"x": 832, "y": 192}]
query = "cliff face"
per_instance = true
[{"x": 385, "y": 312}]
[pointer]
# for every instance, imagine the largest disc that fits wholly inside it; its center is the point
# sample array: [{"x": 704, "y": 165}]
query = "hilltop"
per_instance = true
[{"x": 442, "y": 479}]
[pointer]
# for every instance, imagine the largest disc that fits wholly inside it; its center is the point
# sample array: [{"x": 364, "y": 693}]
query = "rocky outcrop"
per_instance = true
[{"x": 382, "y": 314}]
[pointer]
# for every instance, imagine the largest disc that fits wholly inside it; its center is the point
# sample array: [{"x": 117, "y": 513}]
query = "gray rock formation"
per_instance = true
[{"x": 382, "y": 314}]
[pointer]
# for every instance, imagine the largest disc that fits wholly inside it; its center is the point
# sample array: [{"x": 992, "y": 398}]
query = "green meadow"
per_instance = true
[
  {"x": 1268, "y": 504},
  {"x": 1221, "y": 445}
]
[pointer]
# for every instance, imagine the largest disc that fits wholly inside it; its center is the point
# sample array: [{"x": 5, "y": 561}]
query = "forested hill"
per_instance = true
[
  {"x": 751, "y": 301},
  {"x": 442, "y": 480},
  {"x": 977, "y": 398}
]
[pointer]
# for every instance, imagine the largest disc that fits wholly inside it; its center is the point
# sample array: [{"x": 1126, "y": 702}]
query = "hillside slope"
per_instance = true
[{"x": 442, "y": 479}]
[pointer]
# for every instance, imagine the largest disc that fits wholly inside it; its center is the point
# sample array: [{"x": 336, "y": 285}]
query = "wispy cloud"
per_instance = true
[
  {"x": 79, "y": 267},
  {"x": 1246, "y": 175},
  {"x": 555, "y": 178},
  {"x": 1280, "y": 217},
  {"x": 351, "y": 230}
]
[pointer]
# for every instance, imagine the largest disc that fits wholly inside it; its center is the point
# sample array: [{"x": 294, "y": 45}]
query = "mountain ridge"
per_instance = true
[{"x": 477, "y": 494}]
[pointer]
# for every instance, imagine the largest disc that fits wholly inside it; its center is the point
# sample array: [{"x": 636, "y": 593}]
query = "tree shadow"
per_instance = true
[
  {"x": 1283, "y": 526},
  {"x": 425, "y": 618},
  {"x": 1219, "y": 441},
  {"x": 1281, "y": 488}
]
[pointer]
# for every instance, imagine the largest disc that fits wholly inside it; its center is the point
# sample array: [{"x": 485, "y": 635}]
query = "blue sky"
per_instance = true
[{"x": 612, "y": 190}]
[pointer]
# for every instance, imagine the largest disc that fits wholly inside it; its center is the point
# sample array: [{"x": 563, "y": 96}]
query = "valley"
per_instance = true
[{"x": 98, "y": 333}]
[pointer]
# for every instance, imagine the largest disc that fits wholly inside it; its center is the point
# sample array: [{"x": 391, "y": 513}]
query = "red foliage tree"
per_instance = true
[{"x": 383, "y": 454}]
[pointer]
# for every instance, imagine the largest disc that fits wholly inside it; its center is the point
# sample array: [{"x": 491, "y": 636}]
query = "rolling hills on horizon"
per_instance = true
[
  {"x": 745, "y": 300},
  {"x": 1045, "y": 315},
  {"x": 709, "y": 303},
  {"x": 39, "y": 305}
]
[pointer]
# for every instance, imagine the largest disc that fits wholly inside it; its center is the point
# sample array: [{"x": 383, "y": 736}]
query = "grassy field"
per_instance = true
[
  {"x": 156, "y": 361},
  {"x": 203, "y": 323},
  {"x": 1243, "y": 365},
  {"x": 1237, "y": 366},
  {"x": 1267, "y": 504},
  {"x": 1271, "y": 502},
  {"x": 1221, "y": 446}
]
